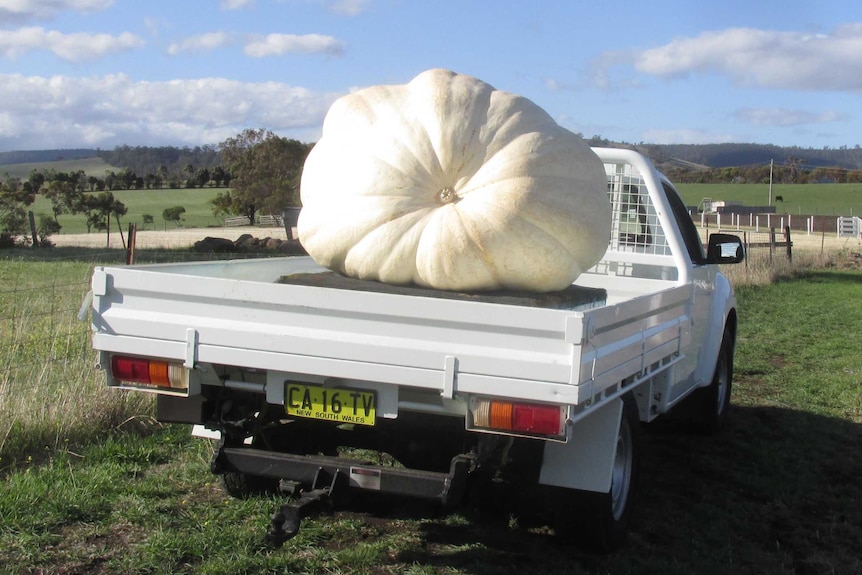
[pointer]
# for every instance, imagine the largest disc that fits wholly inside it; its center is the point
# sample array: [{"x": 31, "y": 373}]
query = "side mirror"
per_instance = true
[{"x": 725, "y": 249}]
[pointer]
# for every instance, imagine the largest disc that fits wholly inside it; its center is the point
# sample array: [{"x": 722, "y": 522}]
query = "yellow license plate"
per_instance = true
[{"x": 331, "y": 403}]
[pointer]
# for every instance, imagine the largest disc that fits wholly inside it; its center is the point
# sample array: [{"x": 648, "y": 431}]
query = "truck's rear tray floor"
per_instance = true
[{"x": 573, "y": 297}]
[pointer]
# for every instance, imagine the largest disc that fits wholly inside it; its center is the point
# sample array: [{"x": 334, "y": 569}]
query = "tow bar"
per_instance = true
[
  {"x": 285, "y": 522},
  {"x": 320, "y": 482}
]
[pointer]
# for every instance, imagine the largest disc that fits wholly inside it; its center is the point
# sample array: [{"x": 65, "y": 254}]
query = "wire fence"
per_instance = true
[
  {"x": 768, "y": 246},
  {"x": 51, "y": 394},
  {"x": 37, "y": 327},
  {"x": 764, "y": 247}
]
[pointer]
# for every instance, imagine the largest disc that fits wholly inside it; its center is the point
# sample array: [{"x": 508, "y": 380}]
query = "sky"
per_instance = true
[{"x": 104, "y": 73}]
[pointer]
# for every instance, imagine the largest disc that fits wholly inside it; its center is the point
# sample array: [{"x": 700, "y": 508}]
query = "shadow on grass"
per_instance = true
[{"x": 779, "y": 492}]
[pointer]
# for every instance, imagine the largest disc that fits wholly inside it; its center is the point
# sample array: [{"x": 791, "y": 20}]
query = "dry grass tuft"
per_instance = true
[{"x": 760, "y": 271}]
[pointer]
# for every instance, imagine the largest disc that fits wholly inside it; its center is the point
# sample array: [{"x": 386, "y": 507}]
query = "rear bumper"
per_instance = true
[{"x": 311, "y": 470}]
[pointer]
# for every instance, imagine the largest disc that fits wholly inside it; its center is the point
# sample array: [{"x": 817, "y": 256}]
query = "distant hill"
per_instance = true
[
  {"x": 732, "y": 155},
  {"x": 38, "y": 156},
  {"x": 143, "y": 159},
  {"x": 140, "y": 159},
  {"x": 92, "y": 166}
]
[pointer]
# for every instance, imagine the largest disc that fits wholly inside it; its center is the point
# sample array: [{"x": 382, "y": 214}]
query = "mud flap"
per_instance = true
[{"x": 586, "y": 461}]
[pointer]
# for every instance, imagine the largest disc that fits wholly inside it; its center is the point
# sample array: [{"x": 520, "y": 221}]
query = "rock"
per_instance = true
[
  {"x": 249, "y": 243},
  {"x": 211, "y": 245},
  {"x": 246, "y": 242},
  {"x": 292, "y": 248}
]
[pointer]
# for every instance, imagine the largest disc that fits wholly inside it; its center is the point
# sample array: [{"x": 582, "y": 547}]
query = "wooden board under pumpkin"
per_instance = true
[{"x": 572, "y": 298}]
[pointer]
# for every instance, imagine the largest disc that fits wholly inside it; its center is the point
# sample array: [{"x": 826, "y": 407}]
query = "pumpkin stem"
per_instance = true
[{"x": 447, "y": 196}]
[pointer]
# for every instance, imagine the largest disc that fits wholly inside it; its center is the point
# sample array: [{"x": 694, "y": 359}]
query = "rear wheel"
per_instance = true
[
  {"x": 608, "y": 515},
  {"x": 714, "y": 400},
  {"x": 241, "y": 485}
]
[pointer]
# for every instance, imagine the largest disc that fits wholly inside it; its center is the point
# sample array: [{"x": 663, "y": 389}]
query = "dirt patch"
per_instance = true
[
  {"x": 186, "y": 237},
  {"x": 153, "y": 239}
]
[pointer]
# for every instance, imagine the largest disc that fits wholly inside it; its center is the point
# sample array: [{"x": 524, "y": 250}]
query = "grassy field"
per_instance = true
[
  {"x": 828, "y": 199},
  {"x": 48, "y": 389},
  {"x": 139, "y": 202},
  {"x": 806, "y": 199},
  {"x": 98, "y": 487}
]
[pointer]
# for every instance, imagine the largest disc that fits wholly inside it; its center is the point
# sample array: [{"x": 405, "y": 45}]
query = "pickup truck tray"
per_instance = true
[
  {"x": 572, "y": 298},
  {"x": 245, "y": 313}
]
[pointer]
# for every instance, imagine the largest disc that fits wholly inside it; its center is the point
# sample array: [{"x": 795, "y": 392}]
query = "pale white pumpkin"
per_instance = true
[{"x": 445, "y": 182}]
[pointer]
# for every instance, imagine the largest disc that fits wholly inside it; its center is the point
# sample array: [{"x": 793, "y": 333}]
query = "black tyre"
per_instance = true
[
  {"x": 608, "y": 515},
  {"x": 241, "y": 486},
  {"x": 713, "y": 403}
]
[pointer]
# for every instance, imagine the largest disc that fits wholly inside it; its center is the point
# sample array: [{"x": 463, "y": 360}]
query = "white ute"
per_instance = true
[{"x": 302, "y": 373}]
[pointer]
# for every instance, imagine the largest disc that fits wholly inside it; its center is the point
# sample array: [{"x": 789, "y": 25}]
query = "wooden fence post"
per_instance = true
[
  {"x": 130, "y": 248},
  {"x": 771, "y": 242},
  {"x": 33, "y": 229}
]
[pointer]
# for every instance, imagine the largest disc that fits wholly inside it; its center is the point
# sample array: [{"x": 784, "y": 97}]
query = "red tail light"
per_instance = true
[
  {"x": 149, "y": 372},
  {"x": 526, "y": 418},
  {"x": 130, "y": 369}
]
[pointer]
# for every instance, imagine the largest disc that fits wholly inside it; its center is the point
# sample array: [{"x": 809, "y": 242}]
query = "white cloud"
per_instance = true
[
  {"x": 348, "y": 7},
  {"x": 77, "y": 47},
  {"x": 784, "y": 117},
  {"x": 279, "y": 44},
  {"x": 765, "y": 58},
  {"x": 201, "y": 43},
  {"x": 686, "y": 136},
  {"x": 257, "y": 46},
  {"x": 155, "y": 26},
  {"x": 339, "y": 7},
  {"x": 27, "y": 10},
  {"x": 235, "y": 4},
  {"x": 60, "y": 111}
]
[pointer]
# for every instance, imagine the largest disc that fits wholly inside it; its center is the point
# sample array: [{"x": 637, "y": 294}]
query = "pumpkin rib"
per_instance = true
[
  {"x": 558, "y": 203},
  {"x": 439, "y": 237},
  {"x": 466, "y": 135},
  {"x": 417, "y": 171},
  {"x": 476, "y": 237},
  {"x": 436, "y": 169},
  {"x": 539, "y": 226},
  {"x": 374, "y": 101},
  {"x": 402, "y": 247}
]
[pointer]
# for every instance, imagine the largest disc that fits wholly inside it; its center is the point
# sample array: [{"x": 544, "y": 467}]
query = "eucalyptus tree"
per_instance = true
[{"x": 264, "y": 172}]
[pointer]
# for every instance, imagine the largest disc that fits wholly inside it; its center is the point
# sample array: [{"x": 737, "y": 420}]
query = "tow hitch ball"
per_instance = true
[{"x": 285, "y": 522}]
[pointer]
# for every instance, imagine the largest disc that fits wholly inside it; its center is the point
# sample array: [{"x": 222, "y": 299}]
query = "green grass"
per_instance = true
[
  {"x": 49, "y": 390},
  {"x": 779, "y": 492},
  {"x": 51, "y": 395},
  {"x": 139, "y": 202},
  {"x": 805, "y": 199},
  {"x": 791, "y": 355}
]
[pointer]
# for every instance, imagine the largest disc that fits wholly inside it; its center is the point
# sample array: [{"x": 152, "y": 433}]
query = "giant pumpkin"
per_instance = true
[{"x": 446, "y": 182}]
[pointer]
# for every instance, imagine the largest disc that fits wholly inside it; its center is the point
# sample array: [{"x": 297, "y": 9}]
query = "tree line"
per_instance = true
[
  {"x": 791, "y": 171},
  {"x": 148, "y": 159},
  {"x": 259, "y": 169},
  {"x": 744, "y": 154}
]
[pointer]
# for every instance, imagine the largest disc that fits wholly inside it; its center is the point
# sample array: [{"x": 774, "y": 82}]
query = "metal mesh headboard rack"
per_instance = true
[{"x": 635, "y": 227}]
